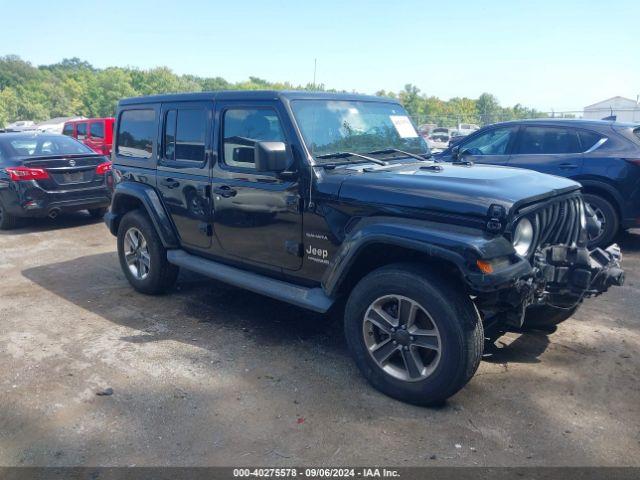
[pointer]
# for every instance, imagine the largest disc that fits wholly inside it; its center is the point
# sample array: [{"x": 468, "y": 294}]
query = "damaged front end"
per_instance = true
[{"x": 563, "y": 271}]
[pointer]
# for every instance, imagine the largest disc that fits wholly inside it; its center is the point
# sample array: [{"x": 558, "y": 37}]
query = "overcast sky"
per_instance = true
[{"x": 559, "y": 54}]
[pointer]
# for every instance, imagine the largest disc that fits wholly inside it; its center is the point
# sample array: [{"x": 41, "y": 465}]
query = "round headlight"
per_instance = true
[{"x": 523, "y": 237}]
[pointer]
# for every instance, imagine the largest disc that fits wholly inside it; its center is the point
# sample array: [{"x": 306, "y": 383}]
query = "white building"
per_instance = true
[{"x": 623, "y": 109}]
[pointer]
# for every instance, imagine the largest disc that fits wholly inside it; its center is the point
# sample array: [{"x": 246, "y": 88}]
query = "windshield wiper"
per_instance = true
[
  {"x": 351, "y": 154},
  {"x": 402, "y": 152}
]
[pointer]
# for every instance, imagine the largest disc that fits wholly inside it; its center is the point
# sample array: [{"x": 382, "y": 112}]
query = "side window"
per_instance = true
[
  {"x": 82, "y": 131},
  {"x": 96, "y": 129},
  {"x": 588, "y": 139},
  {"x": 242, "y": 128},
  {"x": 548, "y": 140},
  {"x": 493, "y": 142},
  {"x": 184, "y": 134},
  {"x": 136, "y": 133},
  {"x": 68, "y": 129}
]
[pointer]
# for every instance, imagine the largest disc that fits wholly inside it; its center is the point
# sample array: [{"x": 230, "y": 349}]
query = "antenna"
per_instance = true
[{"x": 315, "y": 66}]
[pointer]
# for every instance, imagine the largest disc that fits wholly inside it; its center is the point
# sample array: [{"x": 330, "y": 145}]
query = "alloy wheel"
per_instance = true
[
  {"x": 136, "y": 253},
  {"x": 402, "y": 338}
]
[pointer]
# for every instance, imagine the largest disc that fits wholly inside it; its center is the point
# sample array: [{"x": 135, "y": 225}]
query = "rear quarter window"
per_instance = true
[
  {"x": 588, "y": 139},
  {"x": 136, "y": 132}
]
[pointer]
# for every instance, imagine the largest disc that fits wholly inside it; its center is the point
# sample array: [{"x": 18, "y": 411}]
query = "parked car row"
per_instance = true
[{"x": 440, "y": 138}]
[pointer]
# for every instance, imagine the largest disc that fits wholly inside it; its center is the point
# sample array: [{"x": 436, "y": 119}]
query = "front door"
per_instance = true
[
  {"x": 256, "y": 215},
  {"x": 548, "y": 149},
  {"x": 183, "y": 173}
]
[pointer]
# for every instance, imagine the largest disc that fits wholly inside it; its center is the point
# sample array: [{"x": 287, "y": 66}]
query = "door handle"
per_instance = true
[
  {"x": 568, "y": 166},
  {"x": 170, "y": 183},
  {"x": 225, "y": 191}
]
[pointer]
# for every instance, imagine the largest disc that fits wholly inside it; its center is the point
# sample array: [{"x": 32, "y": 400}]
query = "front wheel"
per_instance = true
[
  {"x": 143, "y": 258},
  {"x": 413, "y": 335}
]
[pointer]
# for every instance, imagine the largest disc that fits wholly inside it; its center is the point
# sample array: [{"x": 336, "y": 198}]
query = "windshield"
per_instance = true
[
  {"x": 41, "y": 145},
  {"x": 330, "y": 126}
]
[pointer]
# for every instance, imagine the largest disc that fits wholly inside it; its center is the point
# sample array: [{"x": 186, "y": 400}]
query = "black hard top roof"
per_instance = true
[{"x": 253, "y": 95}]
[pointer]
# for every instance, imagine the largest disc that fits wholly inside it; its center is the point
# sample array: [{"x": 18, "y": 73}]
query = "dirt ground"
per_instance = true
[{"x": 213, "y": 375}]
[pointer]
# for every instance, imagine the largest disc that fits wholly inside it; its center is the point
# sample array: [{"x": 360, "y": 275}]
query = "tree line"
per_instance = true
[{"x": 74, "y": 87}]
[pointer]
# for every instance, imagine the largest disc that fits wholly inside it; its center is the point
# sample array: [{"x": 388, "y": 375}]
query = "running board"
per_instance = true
[{"x": 310, "y": 298}]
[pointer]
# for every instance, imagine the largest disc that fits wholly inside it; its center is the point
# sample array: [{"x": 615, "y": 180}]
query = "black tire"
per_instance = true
[
  {"x": 97, "y": 212},
  {"x": 608, "y": 213},
  {"x": 461, "y": 336},
  {"x": 161, "y": 275},
  {"x": 7, "y": 221},
  {"x": 545, "y": 317}
]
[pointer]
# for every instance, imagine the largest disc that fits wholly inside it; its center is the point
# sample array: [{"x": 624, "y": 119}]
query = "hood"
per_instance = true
[{"x": 449, "y": 188}]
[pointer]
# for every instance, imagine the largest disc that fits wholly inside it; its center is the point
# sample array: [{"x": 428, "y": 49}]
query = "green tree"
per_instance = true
[{"x": 488, "y": 108}]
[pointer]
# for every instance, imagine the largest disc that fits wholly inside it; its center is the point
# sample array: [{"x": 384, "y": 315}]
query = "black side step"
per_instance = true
[{"x": 310, "y": 298}]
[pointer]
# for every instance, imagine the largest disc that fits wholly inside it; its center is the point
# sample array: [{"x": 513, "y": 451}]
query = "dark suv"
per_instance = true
[
  {"x": 603, "y": 156},
  {"x": 332, "y": 201},
  {"x": 44, "y": 174}
]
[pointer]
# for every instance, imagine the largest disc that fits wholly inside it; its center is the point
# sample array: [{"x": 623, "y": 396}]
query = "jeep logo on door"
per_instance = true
[{"x": 72, "y": 163}]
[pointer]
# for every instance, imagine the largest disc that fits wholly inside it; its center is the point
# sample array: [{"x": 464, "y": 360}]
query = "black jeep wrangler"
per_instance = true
[{"x": 315, "y": 198}]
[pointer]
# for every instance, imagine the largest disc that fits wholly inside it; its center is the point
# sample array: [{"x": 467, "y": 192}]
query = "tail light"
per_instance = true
[
  {"x": 103, "y": 168},
  {"x": 18, "y": 174},
  {"x": 635, "y": 161}
]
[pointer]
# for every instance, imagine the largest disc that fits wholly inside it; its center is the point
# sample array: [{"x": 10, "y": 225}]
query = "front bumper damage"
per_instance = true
[{"x": 561, "y": 276}]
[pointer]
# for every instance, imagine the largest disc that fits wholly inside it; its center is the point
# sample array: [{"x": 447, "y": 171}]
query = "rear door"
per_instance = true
[
  {"x": 183, "y": 174},
  {"x": 95, "y": 139},
  {"x": 493, "y": 146},
  {"x": 548, "y": 149}
]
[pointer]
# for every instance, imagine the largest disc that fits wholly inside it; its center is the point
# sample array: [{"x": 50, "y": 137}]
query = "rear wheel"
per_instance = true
[
  {"x": 7, "y": 221},
  {"x": 607, "y": 216},
  {"x": 143, "y": 258},
  {"x": 97, "y": 212},
  {"x": 412, "y": 334}
]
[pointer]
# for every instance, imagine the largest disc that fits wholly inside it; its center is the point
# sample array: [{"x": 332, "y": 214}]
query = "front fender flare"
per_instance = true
[
  {"x": 150, "y": 200},
  {"x": 460, "y": 246}
]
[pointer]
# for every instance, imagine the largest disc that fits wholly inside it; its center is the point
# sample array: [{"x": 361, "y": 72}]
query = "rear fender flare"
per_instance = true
[{"x": 150, "y": 201}]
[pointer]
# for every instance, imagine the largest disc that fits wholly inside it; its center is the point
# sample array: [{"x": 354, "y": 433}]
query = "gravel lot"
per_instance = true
[{"x": 213, "y": 375}]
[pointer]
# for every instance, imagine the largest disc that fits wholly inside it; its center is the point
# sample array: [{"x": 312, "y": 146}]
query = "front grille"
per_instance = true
[{"x": 557, "y": 223}]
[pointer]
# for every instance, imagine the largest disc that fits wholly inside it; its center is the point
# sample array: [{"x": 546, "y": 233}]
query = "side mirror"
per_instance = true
[
  {"x": 272, "y": 157},
  {"x": 455, "y": 152}
]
